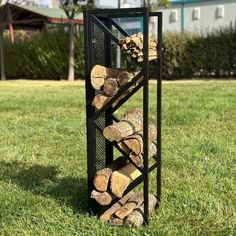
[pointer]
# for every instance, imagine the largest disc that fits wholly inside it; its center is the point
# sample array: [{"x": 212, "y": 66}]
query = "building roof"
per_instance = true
[
  {"x": 32, "y": 17},
  {"x": 51, "y": 12}
]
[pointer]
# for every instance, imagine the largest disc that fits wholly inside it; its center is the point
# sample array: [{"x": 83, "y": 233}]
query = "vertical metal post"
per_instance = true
[
  {"x": 145, "y": 113},
  {"x": 159, "y": 96},
  {"x": 91, "y": 144},
  {"x": 3, "y": 75},
  {"x": 108, "y": 114}
]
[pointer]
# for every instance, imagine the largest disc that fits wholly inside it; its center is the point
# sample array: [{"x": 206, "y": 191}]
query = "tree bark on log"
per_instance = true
[
  {"x": 103, "y": 198},
  {"x": 130, "y": 205},
  {"x": 135, "y": 218},
  {"x": 121, "y": 179},
  {"x": 131, "y": 122},
  {"x": 106, "y": 216},
  {"x": 102, "y": 176}
]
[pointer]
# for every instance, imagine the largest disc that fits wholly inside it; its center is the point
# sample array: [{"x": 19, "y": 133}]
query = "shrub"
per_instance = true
[{"x": 42, "y": 56}]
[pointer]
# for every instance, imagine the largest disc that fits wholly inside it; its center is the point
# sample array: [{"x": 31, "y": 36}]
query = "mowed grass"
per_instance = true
[{"x": 43, "y": 160}]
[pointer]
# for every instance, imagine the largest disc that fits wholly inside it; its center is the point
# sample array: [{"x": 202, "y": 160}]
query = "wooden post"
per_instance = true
[
  {"x": 12, "y": 38},
  {"x": 3, "y": 75}
]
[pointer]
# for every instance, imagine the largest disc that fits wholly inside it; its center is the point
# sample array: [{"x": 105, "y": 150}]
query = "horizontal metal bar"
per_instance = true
[
  {"x": 120, "y": 92},
  {"x": 130, "y": 94},
  {"x": 116, "y": 11},
  {"x": 105, "y": 29}
]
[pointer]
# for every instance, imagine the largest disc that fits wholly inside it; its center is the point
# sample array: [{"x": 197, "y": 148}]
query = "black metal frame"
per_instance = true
[{"x": 102, "y": 18}]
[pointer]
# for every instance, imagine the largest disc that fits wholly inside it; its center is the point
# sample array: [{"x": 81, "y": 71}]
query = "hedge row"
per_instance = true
[
  {"x": 44, "y": 56},
  {"x": 188, "y": 55}
]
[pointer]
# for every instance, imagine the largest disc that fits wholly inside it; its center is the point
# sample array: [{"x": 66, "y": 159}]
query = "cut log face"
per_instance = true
[
  {"x": 121, "y": 179},
  {"x": 106, "y": 216},
  {"x": 102, "y": 176},
  {"x": 103, "y": 198},
  {"x": 131, "y": 123},
  {"x": 110, "y": 87},
  {"x": 100, "y": 100},
  {"x": 135, "y": 218}
]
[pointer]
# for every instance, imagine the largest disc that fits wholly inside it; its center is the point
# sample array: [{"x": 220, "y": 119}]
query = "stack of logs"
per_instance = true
[
  {"x": 107, "y": 81},
  {"x": 133, "y": 45},
  {"x": 112, "y": 181}
]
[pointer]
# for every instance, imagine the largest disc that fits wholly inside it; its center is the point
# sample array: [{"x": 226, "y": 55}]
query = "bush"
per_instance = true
[
  {"x": 45, "y": 56},
  {"x": 188, "y": 55},
  {"x": 42, "y": 56}
]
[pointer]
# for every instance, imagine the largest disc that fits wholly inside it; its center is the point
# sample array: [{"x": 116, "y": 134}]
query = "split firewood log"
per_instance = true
[
  {"x": 102, "y": 176},
  {"x": 134, "y": 142},
  {"x": 131, "y": 122},
  {"x": 106, "y": 216},
  {"x": 100, "y": 100},
  {"x": 103, "y": 198},
  {"x": 120, "y": 179},
  {"x": 133, "y": 45},
  {"x": 135, "y": 218},
  {"x": 100, "y": 73},
  {"x": 130, "y": 205}
]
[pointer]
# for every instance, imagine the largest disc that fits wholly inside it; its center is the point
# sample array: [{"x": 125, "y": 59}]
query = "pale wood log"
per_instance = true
[
  {"x": 131, "y": 123},
  {"x": 110, "y": 87},
  {"x": 101, "y": 178},
  {"x": 103, "y": 198},
  {"x": 135, "y": 142},
  {"x": 130, "y": 205},
  {"x": 99, "y": 74},
  {"x": 106, "y": 216},
  {"x": 100, "y": 100},
  {"x": 121, "y": 179},
  {"x": 135, "y": 218}
]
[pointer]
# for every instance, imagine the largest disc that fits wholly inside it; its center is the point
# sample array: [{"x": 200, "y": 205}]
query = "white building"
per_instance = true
[{"x": 198, "y": 15}]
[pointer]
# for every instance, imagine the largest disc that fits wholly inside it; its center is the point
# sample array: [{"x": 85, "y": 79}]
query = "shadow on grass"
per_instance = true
[{"x": 44, "y": 181}]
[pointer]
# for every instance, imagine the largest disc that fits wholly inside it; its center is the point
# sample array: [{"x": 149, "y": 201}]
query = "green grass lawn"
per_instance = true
[{"x": 43, "y": 160}]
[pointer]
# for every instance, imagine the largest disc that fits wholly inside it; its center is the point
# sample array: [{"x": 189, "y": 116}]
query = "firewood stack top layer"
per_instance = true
[{"x": 133, "y": 45}]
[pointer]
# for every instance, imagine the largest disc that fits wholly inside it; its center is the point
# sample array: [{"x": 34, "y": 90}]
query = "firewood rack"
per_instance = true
[{"x": 98, "y": 36}]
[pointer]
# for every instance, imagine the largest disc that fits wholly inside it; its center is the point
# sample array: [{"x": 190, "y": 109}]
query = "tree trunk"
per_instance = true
[
  {"x": 3, "y": 75},
  {"x": 71, "y": 71}
]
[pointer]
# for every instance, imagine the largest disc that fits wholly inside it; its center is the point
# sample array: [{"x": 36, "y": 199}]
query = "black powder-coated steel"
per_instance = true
[{"x": 99, "y": 150}]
